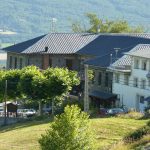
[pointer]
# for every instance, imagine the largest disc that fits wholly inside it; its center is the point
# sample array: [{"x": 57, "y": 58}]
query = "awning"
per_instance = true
[
  {"x": 102, "y": 95},
  {"x": 147, "y": 99}
]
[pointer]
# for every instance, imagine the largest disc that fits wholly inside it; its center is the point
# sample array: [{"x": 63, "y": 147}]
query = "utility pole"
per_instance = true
[
  {"x": 86, "y": 91},
  {"x": 5, "y": 100}
]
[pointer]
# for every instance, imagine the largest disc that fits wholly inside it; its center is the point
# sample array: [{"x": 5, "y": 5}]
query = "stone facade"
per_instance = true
[
  {"x": 43, "y": 61},
  {"x": 101, "y": 81}
]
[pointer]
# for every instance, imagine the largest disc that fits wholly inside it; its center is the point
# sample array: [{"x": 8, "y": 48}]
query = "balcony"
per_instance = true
[{"x": 126, "y": 69}]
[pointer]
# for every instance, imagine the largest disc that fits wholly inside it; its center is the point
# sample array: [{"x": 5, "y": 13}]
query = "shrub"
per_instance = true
[
  {"x": 60, "y": 109},
  {"x": 139, "y": 133},
  {"x": 69, "y": 131},
  {"x": 131, "y": 115}
]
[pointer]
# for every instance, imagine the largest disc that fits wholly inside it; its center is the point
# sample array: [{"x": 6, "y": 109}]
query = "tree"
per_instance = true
[
  {"x": 26, "y": 80},
  {"x": 2, "y": 84},
  {"x": 48, "y": 84},
  {"x": 59, "y": 82},
  {"x": 106, "y": 26},
  {"x": 32, "y": 84},
  {"x": 13, "y": 78},
  {"x": 69, "y": 131}
]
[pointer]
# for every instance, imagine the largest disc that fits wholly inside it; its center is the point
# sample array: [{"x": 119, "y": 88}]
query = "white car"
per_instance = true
[
  {"x": 115, "y": 111},
  {"x": 26, "y": 112}
]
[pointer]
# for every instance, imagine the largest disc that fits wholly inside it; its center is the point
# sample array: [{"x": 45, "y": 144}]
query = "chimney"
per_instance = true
[
  {"x": 46, "y": 48},
  {"x": 116, "y": 50}
]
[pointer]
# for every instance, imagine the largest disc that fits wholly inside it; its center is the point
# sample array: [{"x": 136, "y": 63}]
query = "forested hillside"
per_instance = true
[{"x": 29, "y": 18}]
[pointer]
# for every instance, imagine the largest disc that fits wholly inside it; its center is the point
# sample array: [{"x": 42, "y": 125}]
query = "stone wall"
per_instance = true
[{"x": 10, "y": 120}]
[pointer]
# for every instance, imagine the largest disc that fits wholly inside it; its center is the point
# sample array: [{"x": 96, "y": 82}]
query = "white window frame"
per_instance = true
[
  {"x": 144, "y": 64},
  {"x": 143, "y": 84},
  {"x": 135, "y": 84},
  {"x": 117, "y": 78},
  {"x": 136, "y": 63},
  {"x": 126, "y": 79}
]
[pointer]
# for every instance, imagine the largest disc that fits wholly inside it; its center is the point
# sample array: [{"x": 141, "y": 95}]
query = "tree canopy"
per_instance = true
[
  {"x": 97, "y": 25},
  {"x": 36, "y": 84},
  {"x": 69, "y": 131}
]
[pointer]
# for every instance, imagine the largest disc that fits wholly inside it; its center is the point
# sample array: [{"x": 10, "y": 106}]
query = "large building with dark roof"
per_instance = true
[
  {"x": 54, "y": 49},
  {"x": 70, "y": 50}
]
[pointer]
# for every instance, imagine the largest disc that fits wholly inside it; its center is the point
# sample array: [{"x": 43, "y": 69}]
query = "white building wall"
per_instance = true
[{"x": 128, "y": 94}]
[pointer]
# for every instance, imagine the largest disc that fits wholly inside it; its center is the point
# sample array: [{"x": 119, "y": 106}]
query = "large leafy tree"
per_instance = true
[
  {"x": 59, "y": 82},
  {"x": 32, "y": 84},
  {"x": 26, "y": 80},
  {"x": 97, "y": 25},
  {"x": 69, "y": 131},
  {"x": 46, "y": 85},
  {"x": 13, "y": 78},
  {"x": 2, "y": 84}
]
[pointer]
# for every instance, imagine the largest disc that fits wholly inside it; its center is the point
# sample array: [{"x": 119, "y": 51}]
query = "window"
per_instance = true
[
  {"x": 15, "y": 65},
  {"x": 143, "y": 84},
  {"x": 144, "y": 64},
  {"x": 69, "y": 64},
  {"x": 142, "y": 99},
  {"x": 10, "y": 62},
  {"x": 117, "y": 76},
  {"x": 135, "y": 82},
  {"x": 149, "y": 82},
  {"x": 106, "y": 79},
  {"x": 136, "y": 64},
  {"x": 126, "y": 79},
  {"x": 20, "y": 66},
  {"x": 100, "y": 78},
  {"x": 50, "y": 62}
]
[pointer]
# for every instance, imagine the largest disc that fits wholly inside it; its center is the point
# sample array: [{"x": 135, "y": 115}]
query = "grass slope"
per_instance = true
[{"x": 25, "y": 136}]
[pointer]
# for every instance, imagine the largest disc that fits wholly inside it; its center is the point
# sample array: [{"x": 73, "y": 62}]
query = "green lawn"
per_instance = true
[{"x": 24, "y": 136}]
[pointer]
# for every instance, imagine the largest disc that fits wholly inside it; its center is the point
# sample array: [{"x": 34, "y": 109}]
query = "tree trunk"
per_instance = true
[
  {"x": 40, "y": 107},
  {"x": 52, "y": 106}
]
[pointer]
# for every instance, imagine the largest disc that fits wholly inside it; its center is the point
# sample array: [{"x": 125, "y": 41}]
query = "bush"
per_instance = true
[
  {"x": 139, "y": 133},
  {"x": 131, "y": 115},
  {"x": 69, "y": 131},
  {"x": 60, "y": 109}
]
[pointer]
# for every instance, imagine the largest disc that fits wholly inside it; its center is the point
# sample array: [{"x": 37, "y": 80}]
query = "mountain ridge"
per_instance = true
[{"x": 32, "y": 18}]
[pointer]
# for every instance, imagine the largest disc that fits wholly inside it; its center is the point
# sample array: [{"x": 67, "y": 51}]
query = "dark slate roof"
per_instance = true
[
  {"x": 20, "y": 47},
  {"x": 147, "y": 99},
  {"x": 61, "y": 43},
  {"x": 57, "y": 43},
  {"x": 101, "y": 61},
  {"x": 102, "y": 95},
  {"x": 104, "y": 45},
  {"x": 141, "y": 50}
]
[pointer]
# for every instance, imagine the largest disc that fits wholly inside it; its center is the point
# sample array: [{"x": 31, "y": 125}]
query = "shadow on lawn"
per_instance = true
[{"x": 26, "y": 123}]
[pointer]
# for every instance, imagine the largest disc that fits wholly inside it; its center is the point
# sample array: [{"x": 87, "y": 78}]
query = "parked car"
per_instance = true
[
  {"x": 103, "y": 111},
  {"x": 115, "y": 111},
  {"x": 26, "y": 112}
]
